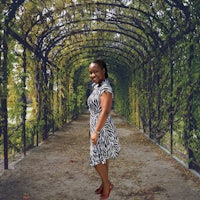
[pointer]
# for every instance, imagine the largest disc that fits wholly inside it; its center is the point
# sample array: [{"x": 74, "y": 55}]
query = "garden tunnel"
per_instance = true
[{"x": 152, "y": 51}]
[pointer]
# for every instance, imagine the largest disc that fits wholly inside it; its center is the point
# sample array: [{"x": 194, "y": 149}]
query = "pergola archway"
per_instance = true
[{"x": 148, "y": 46}]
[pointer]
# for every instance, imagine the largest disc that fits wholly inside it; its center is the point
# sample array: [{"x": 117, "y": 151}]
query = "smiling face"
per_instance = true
[{"x": 97, "y": 74}]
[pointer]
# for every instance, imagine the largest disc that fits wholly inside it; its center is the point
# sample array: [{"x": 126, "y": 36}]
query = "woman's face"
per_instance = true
[{"x": 97, "y": 74}]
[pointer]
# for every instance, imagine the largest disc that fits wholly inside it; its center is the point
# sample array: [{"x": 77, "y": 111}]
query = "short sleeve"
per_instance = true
[{"x": 105, "y": 87}]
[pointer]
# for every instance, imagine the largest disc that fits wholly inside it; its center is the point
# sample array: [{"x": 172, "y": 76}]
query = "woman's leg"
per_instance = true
[
  {"x": 107, "y": 165},
  {"x": 102, "y": 170}
]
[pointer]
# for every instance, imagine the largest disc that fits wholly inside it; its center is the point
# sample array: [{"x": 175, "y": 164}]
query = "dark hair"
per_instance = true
[{"x": 103, "y": 65}]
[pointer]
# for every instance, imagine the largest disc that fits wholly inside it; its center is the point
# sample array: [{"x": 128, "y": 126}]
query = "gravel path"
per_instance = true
[{"x": 58, "y": 169}]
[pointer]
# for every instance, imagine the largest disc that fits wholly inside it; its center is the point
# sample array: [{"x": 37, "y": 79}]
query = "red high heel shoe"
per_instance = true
[
  {"x": 106, "y": 196},
  {"x": 99, "y": 190}
]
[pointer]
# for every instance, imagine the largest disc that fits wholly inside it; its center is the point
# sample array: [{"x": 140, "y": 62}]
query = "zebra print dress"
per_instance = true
[{"x": 108, "y": 142}]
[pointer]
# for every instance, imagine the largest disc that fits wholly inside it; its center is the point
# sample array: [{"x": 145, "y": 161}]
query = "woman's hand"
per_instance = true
[{"x": 94, "y": 138}]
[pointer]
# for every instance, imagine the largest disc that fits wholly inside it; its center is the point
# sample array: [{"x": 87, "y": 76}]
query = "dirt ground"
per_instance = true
[{"x": 58, "y": 169}]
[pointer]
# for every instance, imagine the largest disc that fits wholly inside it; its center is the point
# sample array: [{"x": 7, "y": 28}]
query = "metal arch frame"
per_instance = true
[
  {"x": 70, "y": 64},
  {"x": 140, "y": 54},
  {"x": 77, "y": 5},
  {"x": 70, "y": 60},
  {"x": 94, "y": 46},
  {"x": 121, "y": 6},
  {"x": 73, "y": 32},
  {"x": 123, "y": 43}
]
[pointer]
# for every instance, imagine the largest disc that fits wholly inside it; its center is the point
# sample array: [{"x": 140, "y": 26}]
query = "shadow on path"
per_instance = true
[{"x": 59, "y": 170}]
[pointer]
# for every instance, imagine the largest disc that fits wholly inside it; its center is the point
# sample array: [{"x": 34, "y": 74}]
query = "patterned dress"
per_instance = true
[{"x": 108, "y": 142}]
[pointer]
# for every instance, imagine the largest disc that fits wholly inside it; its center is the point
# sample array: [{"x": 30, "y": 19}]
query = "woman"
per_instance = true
[{"x": 104, "y": 142}]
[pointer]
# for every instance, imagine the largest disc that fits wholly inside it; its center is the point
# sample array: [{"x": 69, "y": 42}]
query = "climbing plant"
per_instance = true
[{"x": 152, "y": 52}]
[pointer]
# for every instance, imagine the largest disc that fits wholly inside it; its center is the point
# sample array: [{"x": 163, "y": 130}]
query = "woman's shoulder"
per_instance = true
[{"x": 105, "y": 86}]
